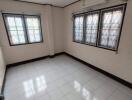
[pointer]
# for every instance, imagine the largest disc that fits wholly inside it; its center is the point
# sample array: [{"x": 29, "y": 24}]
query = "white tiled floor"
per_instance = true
[{"x": 61, "y": 78}]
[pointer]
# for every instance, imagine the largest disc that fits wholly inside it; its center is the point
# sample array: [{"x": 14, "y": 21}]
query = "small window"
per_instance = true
[
  {"x": 15, "y": 29},
  {"x": 23, "y": 29},
  {"x": 33, "y": 29},
  {"x": 111, "y": 27},
  {"x": 92, "y": 28},
  {"x": 78, "y": 28}
]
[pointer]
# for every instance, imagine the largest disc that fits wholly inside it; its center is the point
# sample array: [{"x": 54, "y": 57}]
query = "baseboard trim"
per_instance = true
[
  {"x": 26, "y": 61},
  {"x": 33, "y": 60},
  {"x": 124, "y": 82},
  {"x": 3, "y": 85},
  {"x": 128, "y": 84},
  {"x": 21, "y": 63}
]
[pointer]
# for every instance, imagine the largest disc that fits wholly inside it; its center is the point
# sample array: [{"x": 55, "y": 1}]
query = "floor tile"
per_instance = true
[{"x": 61, "y": 78}]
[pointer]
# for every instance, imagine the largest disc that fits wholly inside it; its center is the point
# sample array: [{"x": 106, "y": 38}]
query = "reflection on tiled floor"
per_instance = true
[{"x": 61, "y": 78}]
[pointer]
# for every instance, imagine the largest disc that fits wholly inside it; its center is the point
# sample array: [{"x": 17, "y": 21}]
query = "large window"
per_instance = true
[
  {"x": 23, "y": 29},
  {"x": 100, "y": 28}
]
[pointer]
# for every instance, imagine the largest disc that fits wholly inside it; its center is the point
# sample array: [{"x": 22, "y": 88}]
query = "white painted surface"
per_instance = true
[
  {"x": 118, "y": 64},
  {"x": 87, "y": 3},
  {"x": 2, "y": 68},
  {"x": 57, "y": 33},
  {"x": 60, "y": 3},
  {"x": 24, "y": 52}
]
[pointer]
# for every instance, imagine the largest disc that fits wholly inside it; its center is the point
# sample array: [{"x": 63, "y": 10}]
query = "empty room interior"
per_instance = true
[{"x": 65, "y": 50}]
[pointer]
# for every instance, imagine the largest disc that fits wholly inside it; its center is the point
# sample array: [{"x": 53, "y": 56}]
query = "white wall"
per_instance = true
[
  {"x": 52, "y": 34},
  {"x": 118, "y": 64},
  {"x": 24, "y": 52},
  {"x": 58, "y": 27},
  {"x": 57, "y": 34},
  {"x": 2, "y": 68}
]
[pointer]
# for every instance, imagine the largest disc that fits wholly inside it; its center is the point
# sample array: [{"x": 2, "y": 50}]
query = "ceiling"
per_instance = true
[{"x": 60, "y": 3}]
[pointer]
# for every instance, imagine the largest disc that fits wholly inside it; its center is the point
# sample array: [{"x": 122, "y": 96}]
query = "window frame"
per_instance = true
[
  {"x": 41, "y": 35},
  {"x": 120, "y": 30},
  {"x": 124, "y": 5},
  {"x": 24, "y": 27},
  {"x": 90, "y": 13},
  {"x": 74, "y": 40}
]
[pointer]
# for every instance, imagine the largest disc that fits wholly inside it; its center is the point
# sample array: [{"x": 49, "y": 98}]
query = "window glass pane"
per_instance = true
[
  {"x": 91, "y": 28},
  {"x": 113, "y": 37},
  {"x": 37, "y": 35},
  {"x": 18, "y": 21},
  {"x": 19, "y": 28},
  {"x": 117, "y": 16},
  {"x": 36, "y": 23},
  {"x": 104, "y": 40},
  {"x": 13, "y": 33},
  {"x": 12, "y": 28},
  {"x": 11, "y": 21},
  {"x": 31, "y": 35},
  {"x": 89, "y": 20},
  {"x": 95, "y": 19},
  {"x": 77, "y": 22},
  {"x": 15, "y": 29},
  {"x": 107, "y": 18},
  {"x": 33, "y": 27},
  {"x": 29, "y": 23},
  {"x": 21, "y": 39},
  {"x": 15, "y": 39},
  {"x": 78, "y": 30},
  {"x": 37, "y": 32},
  {"x": 111, "y": 27}
]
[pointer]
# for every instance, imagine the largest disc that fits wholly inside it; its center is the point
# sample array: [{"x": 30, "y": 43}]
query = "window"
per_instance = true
[
  {"x": 33, "y": 28},
  {"x": 110, "y": 28},
  {"x": 22, "y": 29},
  {"x": 15, "y": 29},
  {"x": 78, "y": 28},
  {"x": 92, "y": 28},
  {"x": 100, "y": 28}
]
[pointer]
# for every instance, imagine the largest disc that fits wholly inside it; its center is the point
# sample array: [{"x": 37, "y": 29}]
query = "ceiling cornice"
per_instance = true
[
  {"x": 48, "y": 4},
  {"x": 71, "y": 3}
]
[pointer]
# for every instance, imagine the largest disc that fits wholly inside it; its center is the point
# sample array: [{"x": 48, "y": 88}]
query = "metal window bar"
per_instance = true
[
  {"x": 106, "y": 40},
  {"x": 92, "y": 28},
  {"x": 99, "y": 31},
  {"x": 33, "y": 29},
  {"x": 9, "y": 31},
  {"x": 79, "y": 29}
]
